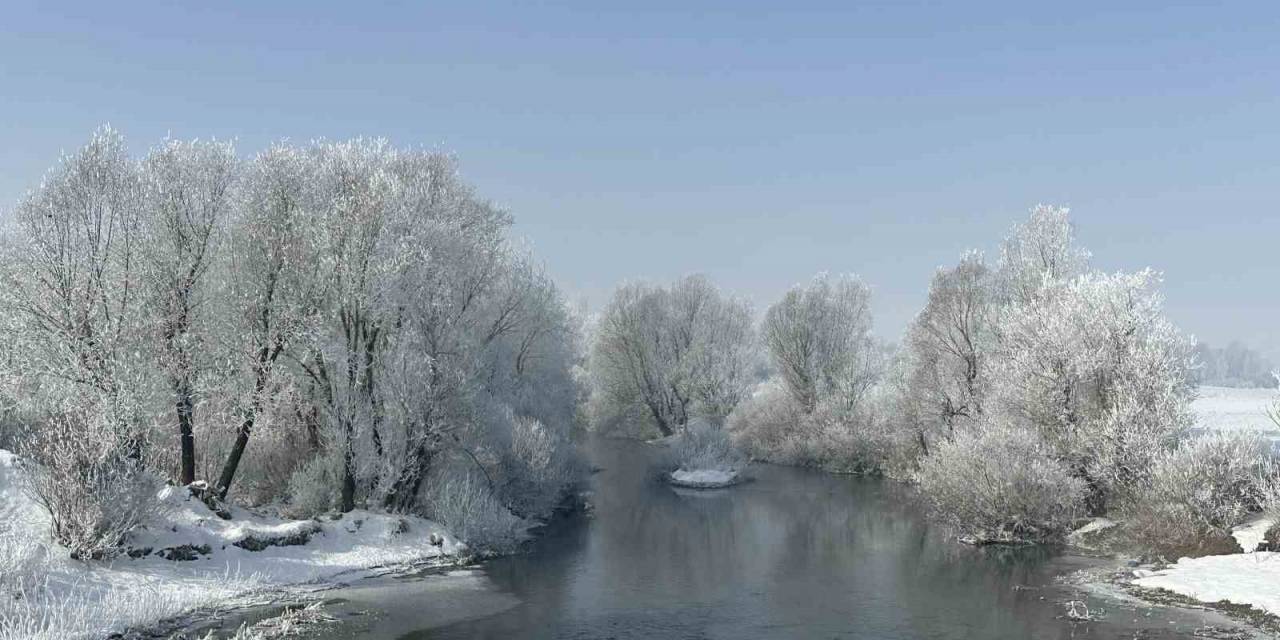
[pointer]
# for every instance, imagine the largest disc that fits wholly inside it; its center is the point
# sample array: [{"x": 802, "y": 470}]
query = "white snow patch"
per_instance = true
[
  {"x": 1252, "y": 533},
  {"x": 1096, "y": 524},
  {"x": 65, "y": 598},
  {"x": 1230, "y": 409},
  {"x": 1246, "y": 579},
  {"x": 704, "y": 478}
]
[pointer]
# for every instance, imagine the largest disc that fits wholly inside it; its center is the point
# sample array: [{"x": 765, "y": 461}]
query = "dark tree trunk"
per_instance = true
[
  {"x": 265, "y": 359},
  {"x": 186, "y": 409},
  {"x": 348, "y": 483},
  {"x": 233, "y": 458},
  {"x": 404, "y": 492}
]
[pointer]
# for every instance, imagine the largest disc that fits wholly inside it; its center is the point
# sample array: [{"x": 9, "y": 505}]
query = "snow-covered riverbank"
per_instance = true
[
  {"x": 191, "y": 559},
  {"x": 1250, "y": 578}
]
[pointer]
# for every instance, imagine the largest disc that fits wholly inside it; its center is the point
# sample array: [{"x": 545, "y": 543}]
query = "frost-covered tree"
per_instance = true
[
  {"x": 356, "y": 306},
  {"x": 1039, "y": 250},
  {"x": 1097, "y": 369},
  {"x": 77, "y": 353},
  {"x": 665, "y": 355},
  {"x": 275, "y": 285},
  {"x": 186, "y": 200},
  {"x": 947, "y": 351},
  {"x": 818, "y": 338},
  {"x": 73, "y": 280}
]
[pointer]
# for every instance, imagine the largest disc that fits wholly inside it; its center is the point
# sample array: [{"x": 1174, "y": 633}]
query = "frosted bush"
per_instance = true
[
  {"x": 704, "y": 446},
  {"x": 770, "y": 426},
  {"x": 1196, "y": 493},
  {"x": 463, "y": 501},
  {"x": 311, "y": 487},
  {"x": 763, "y": 425},
  {"x": 94, "y": 491},
  {"x": 1001, "y": 483},
  {"x": 538, "y": 468}
]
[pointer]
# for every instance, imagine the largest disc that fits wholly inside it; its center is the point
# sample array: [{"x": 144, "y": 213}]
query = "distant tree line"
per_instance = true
[
  {"x": 1232, "y": 366},
  {"x": 1028, "y": 393}
]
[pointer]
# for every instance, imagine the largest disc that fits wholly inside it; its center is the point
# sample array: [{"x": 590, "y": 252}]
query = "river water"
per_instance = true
[{"x": 792, "y": 554}]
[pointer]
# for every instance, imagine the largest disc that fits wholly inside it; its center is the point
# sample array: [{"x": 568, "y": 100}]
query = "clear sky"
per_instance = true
[{"x": 757, "y": 143}]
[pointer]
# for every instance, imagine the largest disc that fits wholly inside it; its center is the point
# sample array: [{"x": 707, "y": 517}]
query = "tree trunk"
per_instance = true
[
  {"x": 348, "y": 483},
  {"x": 404, "y": 491},
  {"x": 186, "y": 409},
  {"x": 233, "y": 458},
  {"x": 242, "y": 433}
]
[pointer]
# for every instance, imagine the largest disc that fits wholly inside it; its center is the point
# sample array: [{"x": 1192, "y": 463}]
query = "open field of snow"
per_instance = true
[
  {"x": 64, "y": 598},
  {"x": 1225, "y": 409}
]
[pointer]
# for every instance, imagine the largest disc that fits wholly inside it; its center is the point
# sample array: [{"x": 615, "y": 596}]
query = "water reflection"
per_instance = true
[{"x": 794, "y": 554}]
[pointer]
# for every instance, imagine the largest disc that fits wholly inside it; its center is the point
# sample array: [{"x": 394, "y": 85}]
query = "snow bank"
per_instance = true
[
  {"x": 1228, "y": 409},
  {"x": 64, "y": 598},
  {"x": 1252, "y": 533},
  {"x": 704, "y": 478},
  {"x": 1245, "y": 579}
]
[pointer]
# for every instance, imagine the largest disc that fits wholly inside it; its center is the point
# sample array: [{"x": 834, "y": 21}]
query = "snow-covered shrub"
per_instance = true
[
  {"x": 1001, "y": 482},
  {"x": 93, "y": 488},
  {"x": 461, "y": 498},
  {"x": 1196, "y": 493},
  {"x": 705, "y": 446},
  {"x": 312, "y": 486},
  {"x": 767, "y": 425},
  {"x": 770, "y": 426},
  {"x": 537, "y": 469}
]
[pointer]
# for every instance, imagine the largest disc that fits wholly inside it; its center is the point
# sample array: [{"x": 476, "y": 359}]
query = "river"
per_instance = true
[{"x": 792, "y": 554}]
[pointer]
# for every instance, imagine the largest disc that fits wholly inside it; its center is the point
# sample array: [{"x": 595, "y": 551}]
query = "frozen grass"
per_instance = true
[
  {"x": 290, "y": 624},
  {"x": 92, "y": 606}
]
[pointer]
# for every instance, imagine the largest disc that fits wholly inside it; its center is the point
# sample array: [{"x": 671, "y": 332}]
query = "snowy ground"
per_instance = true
[
  {"x": 63, "y": 598},
  {"x": 1244, "y": 578},
  {"x": 1227, "y": 409}
]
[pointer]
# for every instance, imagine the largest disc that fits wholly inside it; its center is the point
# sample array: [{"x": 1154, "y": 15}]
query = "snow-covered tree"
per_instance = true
[
  {"x": 1041, "y": 249},
  {"x": 947, "y": 351},
  {"x": 77, "y": 359},
  {"x": 274, "y": 286},
  {"x": 186, "y": 199},
  {"x": 73, "y": 280},
  {"x": 1095, "y": 367},
  {"x": 665, "y": 355},
  {"x": 818, "y": 337}
]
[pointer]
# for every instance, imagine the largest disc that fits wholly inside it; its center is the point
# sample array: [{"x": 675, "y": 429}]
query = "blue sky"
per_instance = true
[{"x": 758, "y": 143}]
